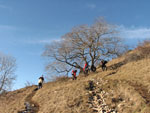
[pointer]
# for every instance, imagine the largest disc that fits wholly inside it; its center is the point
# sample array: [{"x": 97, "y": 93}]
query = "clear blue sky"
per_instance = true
[{"x": 27, "y": 25}]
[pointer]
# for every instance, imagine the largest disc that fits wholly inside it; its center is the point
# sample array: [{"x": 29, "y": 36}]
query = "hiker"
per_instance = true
[
  {"x": 27, "y": 106},
  {"x": 103, "y": 64},
  {"x": 93, "y": 68},
  {"x": 86, "y": 68},
  {"x": 74, "y": 74},
  {"x": 40, "y": 82}
]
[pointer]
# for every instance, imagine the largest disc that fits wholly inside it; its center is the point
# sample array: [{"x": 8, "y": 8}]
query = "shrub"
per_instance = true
[
  {"x": 62, "y": 78},
  {"x": 142, "y": 51},
  {"x": 132, "y": 57}
]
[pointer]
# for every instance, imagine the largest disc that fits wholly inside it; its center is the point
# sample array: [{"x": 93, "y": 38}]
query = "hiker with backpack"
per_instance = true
[
  {"x": 103, "y": 65},
  {"x": 74, "y": 77},
  {"x": 40, "y": 82},
  {"x": 86, "y": 68}
]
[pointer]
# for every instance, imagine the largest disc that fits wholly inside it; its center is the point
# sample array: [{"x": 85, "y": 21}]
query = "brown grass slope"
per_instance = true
[
  {"x": 127, "y": 85},
  {"x": 13, "y": 101}
]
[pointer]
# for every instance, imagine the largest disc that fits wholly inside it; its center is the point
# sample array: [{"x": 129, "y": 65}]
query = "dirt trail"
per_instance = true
[{"x": 34, "y": 107}]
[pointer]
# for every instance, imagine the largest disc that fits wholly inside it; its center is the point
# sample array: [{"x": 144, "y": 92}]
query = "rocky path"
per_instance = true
[{"x": 96, "y": 99}]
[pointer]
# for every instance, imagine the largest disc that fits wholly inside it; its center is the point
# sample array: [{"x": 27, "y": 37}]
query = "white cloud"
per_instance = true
[
  {"x": 91, "y": 6},
  {"x": 125, "y": 32},
  {"x": 7, "y": 27},
  {"x": 7, "y": 32},
  {"x": 133, "y": 32},
  {"x": 42, "y": 41},
  {"x": 4, "y": 7}
]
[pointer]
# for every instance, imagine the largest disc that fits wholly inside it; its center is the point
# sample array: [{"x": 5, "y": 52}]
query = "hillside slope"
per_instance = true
[{"x": 124, "y": 87}]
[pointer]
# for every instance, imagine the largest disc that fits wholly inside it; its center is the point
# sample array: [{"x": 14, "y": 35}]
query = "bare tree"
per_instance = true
[
  {"x": 29, "y": 83},
  {"x": 84, "y": 44},
  {"x": 7, "y": 69}
]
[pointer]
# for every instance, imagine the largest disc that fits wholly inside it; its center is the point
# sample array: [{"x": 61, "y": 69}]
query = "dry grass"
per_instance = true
[
  {"x": 13, "y": 101},
  {"x": 142, "y": 51},
  {"x": 61, "y": 78},
  {"x": 124, "y": 97},
  {"x": 127, "y": 85}
]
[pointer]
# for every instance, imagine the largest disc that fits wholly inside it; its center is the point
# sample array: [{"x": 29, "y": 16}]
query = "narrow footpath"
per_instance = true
[{"x": 30, "y": 105}]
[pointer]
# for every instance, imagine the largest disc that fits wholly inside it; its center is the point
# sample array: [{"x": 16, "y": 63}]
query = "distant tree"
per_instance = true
[
  {"x": 29, "y": 83},
  {"x": 7, "y": 69},
  {"x": 84, "y": 44}
]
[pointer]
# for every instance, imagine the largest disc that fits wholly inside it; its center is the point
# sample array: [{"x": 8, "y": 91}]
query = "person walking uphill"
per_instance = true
[
  {"x": 40, "y": 82},
  {"x": 74, "y": 74},
  {"x": 103, "y": 64},
  {"x": 86, "y": 68}
]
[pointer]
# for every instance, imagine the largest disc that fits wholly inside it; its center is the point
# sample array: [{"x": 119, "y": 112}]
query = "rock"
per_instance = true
[{"x": 97, "y": 99}]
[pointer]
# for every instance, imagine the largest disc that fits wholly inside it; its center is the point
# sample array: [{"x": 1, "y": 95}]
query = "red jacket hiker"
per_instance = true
[
  {"x": 85, "y": 66},
  {"x": 74, "y": 74}
]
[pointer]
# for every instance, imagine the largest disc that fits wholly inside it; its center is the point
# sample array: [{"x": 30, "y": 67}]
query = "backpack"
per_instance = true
[
  {"x": 105, "y": 62},
  {"x": 40, "y": 80}
]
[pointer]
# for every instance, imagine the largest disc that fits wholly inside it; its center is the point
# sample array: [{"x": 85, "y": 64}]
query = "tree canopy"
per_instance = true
[{"x": 83, "y": 44}]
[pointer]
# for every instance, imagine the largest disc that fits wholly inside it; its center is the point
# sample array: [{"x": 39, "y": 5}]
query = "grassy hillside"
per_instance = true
[{"x": 124, "y": 87}]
